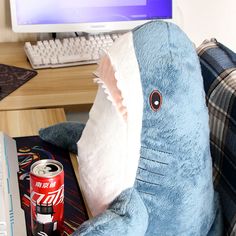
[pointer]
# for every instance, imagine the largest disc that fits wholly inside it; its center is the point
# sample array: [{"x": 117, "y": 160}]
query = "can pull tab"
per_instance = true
[
  {"x": 48, "y": 169},
  {"x": 51, "y": 168}
]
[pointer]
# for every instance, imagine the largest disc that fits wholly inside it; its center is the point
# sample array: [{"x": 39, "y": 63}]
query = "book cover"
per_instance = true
[{"x": 11, "y": 214}]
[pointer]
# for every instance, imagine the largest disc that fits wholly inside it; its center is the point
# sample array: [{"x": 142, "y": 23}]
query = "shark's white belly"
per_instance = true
[{"x": 109, "y": 148}]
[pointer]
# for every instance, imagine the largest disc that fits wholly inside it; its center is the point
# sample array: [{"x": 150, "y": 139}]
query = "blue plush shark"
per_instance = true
[{"x": 169, "y": 189}]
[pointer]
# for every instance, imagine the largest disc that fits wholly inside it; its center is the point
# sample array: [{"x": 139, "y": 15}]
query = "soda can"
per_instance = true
[{"x": 47, "y": 197}]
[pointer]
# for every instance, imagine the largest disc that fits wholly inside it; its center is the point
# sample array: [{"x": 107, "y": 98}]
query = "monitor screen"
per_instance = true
[{"x": 85, "y": 16}]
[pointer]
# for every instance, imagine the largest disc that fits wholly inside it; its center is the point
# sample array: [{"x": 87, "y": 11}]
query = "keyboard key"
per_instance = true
[
  {"x": 53, "y": 60},
  {"x": 3, "y": 226}
]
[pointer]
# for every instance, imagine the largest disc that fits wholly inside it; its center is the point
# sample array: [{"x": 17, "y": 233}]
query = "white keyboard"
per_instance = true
[{"x": 65, "y": 52}]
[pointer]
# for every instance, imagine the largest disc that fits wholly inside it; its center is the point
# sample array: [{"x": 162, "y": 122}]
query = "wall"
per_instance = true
[
  {"x": 200, "y": 19},
  {"x": 6, "y": 34}
]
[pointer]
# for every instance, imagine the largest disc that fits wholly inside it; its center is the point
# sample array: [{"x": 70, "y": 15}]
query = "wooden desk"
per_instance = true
[
  {"x": 70, "y": 87},
  {"x": 28, "y": 122}
]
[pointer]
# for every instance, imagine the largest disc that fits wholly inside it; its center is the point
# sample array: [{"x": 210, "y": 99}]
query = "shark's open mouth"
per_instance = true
[{"x": 111, "y": 140}]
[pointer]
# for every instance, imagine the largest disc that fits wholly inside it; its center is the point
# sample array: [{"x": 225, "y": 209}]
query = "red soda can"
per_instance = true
[{"x": 47, "y": 197}]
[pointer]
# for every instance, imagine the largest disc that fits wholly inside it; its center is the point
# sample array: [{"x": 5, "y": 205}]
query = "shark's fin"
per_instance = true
[{"x": 64, "y": 135}]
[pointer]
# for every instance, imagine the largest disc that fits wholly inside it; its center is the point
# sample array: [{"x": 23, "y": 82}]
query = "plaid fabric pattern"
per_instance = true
[{"x": 218, "y": 64}]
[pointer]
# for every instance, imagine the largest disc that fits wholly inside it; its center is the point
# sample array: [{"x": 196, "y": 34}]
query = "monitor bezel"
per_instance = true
[{"x": 94, "y": 27}]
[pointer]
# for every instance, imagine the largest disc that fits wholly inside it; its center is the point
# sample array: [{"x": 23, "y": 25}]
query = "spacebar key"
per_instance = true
[{"x": 73, "y": 58}]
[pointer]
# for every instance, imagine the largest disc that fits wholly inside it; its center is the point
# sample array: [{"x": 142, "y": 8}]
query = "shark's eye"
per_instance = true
[{"x": 155, "y": 100}]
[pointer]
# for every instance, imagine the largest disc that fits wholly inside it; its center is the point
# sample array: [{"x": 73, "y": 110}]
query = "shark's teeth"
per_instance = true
[
  {"x": 97, "y": 80},
  {"x": 120, "y": 85},
  {"x": 121, "y": 103},
  {"x": 124, "y": 103},
  {"x": 105, "y": 89},
  {"x": 96, "y": 73},
  {"x": 122, "y": 110}
]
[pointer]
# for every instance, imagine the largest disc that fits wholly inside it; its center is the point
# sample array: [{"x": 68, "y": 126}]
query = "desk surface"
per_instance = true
[
  {"x": 28, "y": 122},
  {"x": 68, "y": 87}
]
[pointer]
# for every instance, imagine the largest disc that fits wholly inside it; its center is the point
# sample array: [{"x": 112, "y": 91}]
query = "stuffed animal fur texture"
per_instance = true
[{"x": 144, "y": 156}]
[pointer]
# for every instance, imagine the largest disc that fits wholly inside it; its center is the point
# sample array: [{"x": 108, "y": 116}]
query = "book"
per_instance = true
[{"x": 11, "y": 214}]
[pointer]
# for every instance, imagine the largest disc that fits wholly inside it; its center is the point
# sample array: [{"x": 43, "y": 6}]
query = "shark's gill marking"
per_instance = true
[
  {"x": 147, "y": 193},
  {"x": 141, "y": 180},
  {"x": 150, "y": 171},
  {"x": 161, "y": 151},
  {"x": 154, "y": 161}
]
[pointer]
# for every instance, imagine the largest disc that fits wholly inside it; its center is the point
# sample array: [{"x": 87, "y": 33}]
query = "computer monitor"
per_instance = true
[{"x": 85, "y": 15}]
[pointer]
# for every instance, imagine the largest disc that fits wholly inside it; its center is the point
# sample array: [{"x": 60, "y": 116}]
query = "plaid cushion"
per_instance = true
[{"x": 218, "y": 65}]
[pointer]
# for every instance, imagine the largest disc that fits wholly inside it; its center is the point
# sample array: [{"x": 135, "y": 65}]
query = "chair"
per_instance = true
[{"x": 218, "y": 64}]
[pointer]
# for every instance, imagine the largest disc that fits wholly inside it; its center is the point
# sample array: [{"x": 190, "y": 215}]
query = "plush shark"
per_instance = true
[{"x": 144, "y": 157}]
